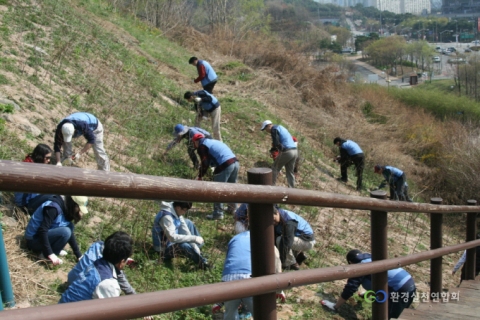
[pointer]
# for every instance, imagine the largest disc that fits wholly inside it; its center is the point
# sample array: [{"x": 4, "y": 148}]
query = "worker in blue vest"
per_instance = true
[
  {"x": 172, "y": 234},
  {"x": 207, "y": 106},
  {"x": 282, "y": 141},
  {"x": 216, "y": 154},
  {"x": 350, "y": 153},
  {"x": 294, "y": 235},
  {"x": 99, "y": 279},
  {"x": 396, "y": 180},
  {"x": 51, "y": 227},
  {"x": 186, "y": 132},
  {"x": 95, "y": 252},
  {"x": 206, "y": 75},
  {"x": 75, "y": 125},
  {"x": 401, "y": 287}
]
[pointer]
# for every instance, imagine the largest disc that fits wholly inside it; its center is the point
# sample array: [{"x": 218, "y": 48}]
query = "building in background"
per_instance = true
[
  {"x": 461, "y": 6},
  {"x": 415, "y": 6},
  {"x": 395, "y": 6}
]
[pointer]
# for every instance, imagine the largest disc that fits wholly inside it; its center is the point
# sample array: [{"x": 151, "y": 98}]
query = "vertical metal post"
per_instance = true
[
  {"x": 471, "y": 235},
  {"x": 379, "y": 245},
  {"x": 5, "y": 282},
  {"x": 436, "y": 234},
  {"x": 262, "y": 245}
]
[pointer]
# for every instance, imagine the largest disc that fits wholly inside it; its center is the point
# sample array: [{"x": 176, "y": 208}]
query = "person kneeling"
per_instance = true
[{"x": 99, "y": 280}]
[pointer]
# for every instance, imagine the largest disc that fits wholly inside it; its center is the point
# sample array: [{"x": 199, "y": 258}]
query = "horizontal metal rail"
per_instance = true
[
  {"x": 140, "y": 305},
  {"x": 27, "y": 177}
]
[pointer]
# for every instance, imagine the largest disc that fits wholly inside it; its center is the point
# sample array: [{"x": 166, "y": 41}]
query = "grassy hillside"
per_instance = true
[{"x": 59, "y": 57}]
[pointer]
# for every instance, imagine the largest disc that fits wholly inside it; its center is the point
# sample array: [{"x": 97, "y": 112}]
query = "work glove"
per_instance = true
[
  {"x": 59, "y": 164},
  {"x": 328, "y": 304},
  {"x": 199, "y": 241},
  {"x": 198, "y": 100},
  {"x": 55, "y": 260},
  {"x": 281, "y": 296},
  {"x": 77, "y": 156}
]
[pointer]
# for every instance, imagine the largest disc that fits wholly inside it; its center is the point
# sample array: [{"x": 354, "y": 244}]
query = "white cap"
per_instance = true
[
  {"x": 67, "y": 131},
  {"x": 82, "y": 202},
  {"x": 265, "y": 123}
]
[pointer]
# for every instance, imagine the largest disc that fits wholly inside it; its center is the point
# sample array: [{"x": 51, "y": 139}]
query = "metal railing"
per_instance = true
[{"x": 17, "y": 176}]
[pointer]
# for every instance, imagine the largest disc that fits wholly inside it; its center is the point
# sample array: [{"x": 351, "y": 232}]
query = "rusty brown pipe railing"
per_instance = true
[
  {"x": 26, "y": 177},
  {"x": 140, "y": 305}
]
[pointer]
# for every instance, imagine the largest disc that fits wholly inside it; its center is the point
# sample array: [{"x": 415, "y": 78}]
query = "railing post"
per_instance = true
[
  {"x": 262, "y": 241},
  {"x": 5, "y": 281},
  {"x": 379, "y": 245},
  {"x": 436, "y": 235},
  {"x": 471, "y": 235}
]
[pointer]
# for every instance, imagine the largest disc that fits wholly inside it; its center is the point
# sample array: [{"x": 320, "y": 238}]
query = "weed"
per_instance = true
[
  {"x": 3, "y": 79},
  {"x": 6, "y": 108}
]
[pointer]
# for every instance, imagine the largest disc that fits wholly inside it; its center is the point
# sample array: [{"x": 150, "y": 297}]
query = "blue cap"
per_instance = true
[{"x": 180, "y": 129}]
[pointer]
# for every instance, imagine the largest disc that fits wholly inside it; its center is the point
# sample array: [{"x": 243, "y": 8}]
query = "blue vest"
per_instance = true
[
  {"x": 158, "y": 236},
  {"x": 77, "y": 118},
  {"x": 208, "y": 106},
  {"x": 238, "y": 260},
  {"x": 351, "y": 147},
  {"x": 194, "y": 130},
  {"x": 87, "y": 281},
  {"x": 285, "y": 137},
  {"x": 396, "y": 173},
  {"x": 93, "y": 253},
  {"x": 218, "y": 151},
  {"x": 22, "y": 199},
  {"x": 37, "y": 219},
  {"x": 210, "y": 73},
  {"x": 303, "y": 226},
  {"x": 396, "y": 278}
]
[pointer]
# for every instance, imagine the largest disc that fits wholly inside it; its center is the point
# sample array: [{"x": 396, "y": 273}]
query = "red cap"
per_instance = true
[
  {"x": 197, "y": 136},
  {"x": 294, "y": 139},
  {"x": 377, "y": 168}
]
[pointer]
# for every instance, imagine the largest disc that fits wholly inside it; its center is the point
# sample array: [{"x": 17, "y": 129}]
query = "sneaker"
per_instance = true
[
  {"x": 205, "y": 266},
  {"x": 63, "y": 253},
  {"x": 301, "y": 257},
  {"x": 342, "y": 180},
  {"x": 217, "y": 307},
  {"x": 215, "y": 217},
  {"x": 294, "y": 266}
]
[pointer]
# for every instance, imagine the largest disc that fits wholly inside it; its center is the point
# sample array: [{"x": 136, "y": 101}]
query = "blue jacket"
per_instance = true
[
  {"x": 398, "y": 279},
  {"x": 93, "y": 253},
  {"x": 37, "y": 218},
  {"x": 158, "y": 236},
  {"x": 282, "y": 139},
  {"x": 84, "y": 124},
  {"x": 209, "y": 102},
  {"x": 238, "y": 260},
  {"x": 210, "y": 73},
  {"x": 351, "y": 147},
  {"x": 86, "y": 283},
  {"x": 391, "y": 174},
  {"x": 303, "y": 226}
]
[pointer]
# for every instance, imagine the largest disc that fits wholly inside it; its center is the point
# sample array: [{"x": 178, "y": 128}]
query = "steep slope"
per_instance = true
[{"x": 58, "y": 58}]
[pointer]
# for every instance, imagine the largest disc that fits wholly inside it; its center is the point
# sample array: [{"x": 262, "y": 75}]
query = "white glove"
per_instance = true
[
  {"x": 330, "y": 305},
  {"x": 77, "y": 156},
  {"x": 199, "y": 240},
  {"x": 59, "y": 164},
  {"x": 198, "y": 100},
  {"x": 55, "y": 260}
]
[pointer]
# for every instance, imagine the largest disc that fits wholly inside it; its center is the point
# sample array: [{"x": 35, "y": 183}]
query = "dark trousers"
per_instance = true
[
  {"x": 209, "y": 87},
  {"x": 359, "y": 161},
  {"x": 397, "y": 189},
  {"x": 395, "y": 308}
]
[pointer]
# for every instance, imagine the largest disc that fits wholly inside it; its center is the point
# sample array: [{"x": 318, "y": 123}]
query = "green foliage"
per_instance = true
[
  {"x": 373, "y": 117},
  {"x": 442, "y": 105},
  {"x": 3, "y": 79},
  {"x": 6, "y": 108}
]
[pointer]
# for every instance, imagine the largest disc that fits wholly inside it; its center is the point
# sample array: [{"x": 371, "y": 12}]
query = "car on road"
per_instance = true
[
  {"x": 456, "y": 61},
  {"x": 476, "y": 42},
  {"x": 438, "y": 49},
  {"x": 452, "y": 49},
  {"x": 437, "y": 59},
  {"x": 468, "y": 50}
]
